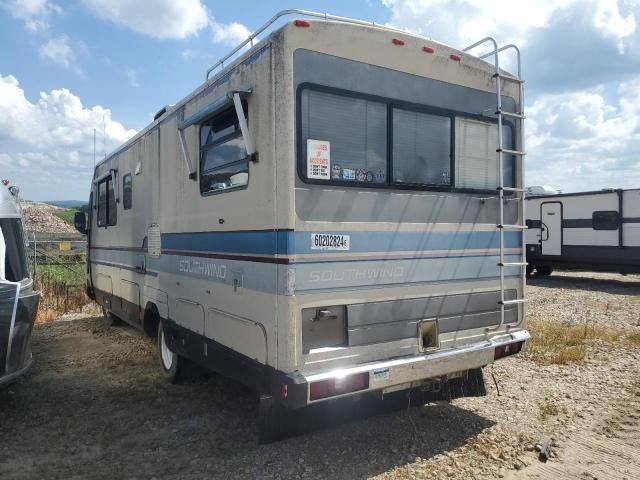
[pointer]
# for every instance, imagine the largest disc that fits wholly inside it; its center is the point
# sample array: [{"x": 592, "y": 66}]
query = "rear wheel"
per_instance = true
[
  {"x": 171, "y": 363},
  {"x": 544, "y": 270}
]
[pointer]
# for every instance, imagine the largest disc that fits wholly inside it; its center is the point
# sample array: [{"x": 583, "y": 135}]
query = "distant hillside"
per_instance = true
[{"x": 67, "y": 203}]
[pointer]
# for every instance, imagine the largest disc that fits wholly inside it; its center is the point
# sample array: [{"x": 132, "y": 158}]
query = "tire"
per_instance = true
[
  {"x": 544, "y": 270},
  {"x": 110, "y": 319},
  {"x": 530, "y": 269},
  {"x": 273, "y": 420},
  {"x": 171, "y": 364}
]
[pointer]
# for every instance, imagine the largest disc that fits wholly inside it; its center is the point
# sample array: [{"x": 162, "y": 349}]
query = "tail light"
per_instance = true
[
  {"x": 508, "y": 349},
  {"x": 338, "y": 386}
]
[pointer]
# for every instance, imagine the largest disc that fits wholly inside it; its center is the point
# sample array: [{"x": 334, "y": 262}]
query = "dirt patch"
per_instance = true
[{"x": 95, "y": 406}]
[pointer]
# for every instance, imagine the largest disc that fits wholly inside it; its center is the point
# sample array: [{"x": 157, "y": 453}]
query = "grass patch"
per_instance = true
[
  {"x": 66, "y": 215},
  {"x": 73, "y": 274},
  {"x": 555, "y": 343},
  {"x": 552, "y": 342},
  {"x": 63, "y": 289}
]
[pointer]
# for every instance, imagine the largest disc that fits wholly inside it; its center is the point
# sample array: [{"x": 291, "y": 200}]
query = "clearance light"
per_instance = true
[
  {"x": 506, "y": 350},
  {"x": 455, "y": 57},
  {"x": 338, "y": 386},
  {"x": 301, "y": 23},
  {"x": 429, "y": 49},
  {"x": 284, "y": 391},
  {"x": 397, "y": 41}
]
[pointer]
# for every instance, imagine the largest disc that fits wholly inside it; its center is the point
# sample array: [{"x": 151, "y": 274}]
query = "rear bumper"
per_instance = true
[{"x": 399, "y": 372}]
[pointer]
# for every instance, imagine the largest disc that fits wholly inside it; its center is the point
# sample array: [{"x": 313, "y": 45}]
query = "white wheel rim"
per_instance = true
[{"x": 165, "y": 353}]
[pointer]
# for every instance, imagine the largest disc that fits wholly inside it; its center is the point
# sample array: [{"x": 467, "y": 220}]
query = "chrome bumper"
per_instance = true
[{"x": 392, "y": 373}]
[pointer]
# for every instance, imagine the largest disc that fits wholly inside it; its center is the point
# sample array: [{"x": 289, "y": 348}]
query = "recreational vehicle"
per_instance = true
[
  {"x": 336, "y": 211},
  {"x": 18, "y": 301},
  {"x": 587, "y": 230}
]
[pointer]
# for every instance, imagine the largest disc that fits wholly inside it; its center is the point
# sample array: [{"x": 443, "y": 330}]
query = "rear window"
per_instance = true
[{"x": 358, "y": 140}]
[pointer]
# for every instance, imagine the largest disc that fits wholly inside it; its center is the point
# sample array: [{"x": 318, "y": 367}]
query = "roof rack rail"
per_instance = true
[{"x": 305, "y": 13}]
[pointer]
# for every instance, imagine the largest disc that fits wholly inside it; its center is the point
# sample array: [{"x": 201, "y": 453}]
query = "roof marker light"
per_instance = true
[
  {"x": 455, "y": 57},
  {"x": 301, "y": 23},
  {"x": 397, "y": 41},
  {"x": 429, "y": 49}
]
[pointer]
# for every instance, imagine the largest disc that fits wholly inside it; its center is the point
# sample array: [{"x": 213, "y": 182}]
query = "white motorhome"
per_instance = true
[
  {"x": 18, "y": 301},
  {"x": 586, "y": 230},
  {"x": 337, "y": 211}
]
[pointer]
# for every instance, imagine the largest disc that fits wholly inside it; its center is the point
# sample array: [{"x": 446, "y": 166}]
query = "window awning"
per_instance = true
[{"x": 218, "y": 105}]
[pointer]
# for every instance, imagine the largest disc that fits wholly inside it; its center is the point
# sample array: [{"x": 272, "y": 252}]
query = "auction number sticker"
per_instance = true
[
  {"x": 318, "y": 159},
  {"x": 325, "y": 241}
]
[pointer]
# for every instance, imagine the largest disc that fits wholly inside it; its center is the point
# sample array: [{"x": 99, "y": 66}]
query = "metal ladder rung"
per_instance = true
[
  {"x": 512, "y": 227},
  {"x": 512, "y": 189},
  {"x": 517, "y": 301},
  {"x": 510, "y": 152},
  {"x": 521, "y": 116},
  {"x": 513, "y": 264},
  {"x": 508, "y": 78}
]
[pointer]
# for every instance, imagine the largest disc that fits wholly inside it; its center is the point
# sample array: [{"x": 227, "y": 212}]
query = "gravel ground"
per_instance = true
[{"x": 95, "y": 406}]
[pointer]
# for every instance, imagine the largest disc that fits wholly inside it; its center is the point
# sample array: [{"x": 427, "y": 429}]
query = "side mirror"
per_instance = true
[{"x": 80, "y": 222}]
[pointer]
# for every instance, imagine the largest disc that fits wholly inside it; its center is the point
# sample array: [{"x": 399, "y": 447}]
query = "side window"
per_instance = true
[
  {"x": 127, "y": 191},
  {"x": 224, "y": 163},
  {"x": 606, "y": 220},
  {"x": 107, "y": 210},
  {"x": 476, "y": 157}
]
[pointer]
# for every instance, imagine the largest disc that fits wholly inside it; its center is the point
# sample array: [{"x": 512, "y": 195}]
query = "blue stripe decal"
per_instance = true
[
  {"x": 287, "y": 242},
  {"x": 267, "y": 242}
]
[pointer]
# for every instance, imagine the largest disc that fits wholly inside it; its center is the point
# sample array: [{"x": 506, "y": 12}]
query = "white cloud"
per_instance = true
[
  {"x": 159, "y": 19},
  {"x": 53, "y": 137},
  {"x": 34, "y": 13},
  {"x": 59, "y": 51},
  {"x": 230, "y": 34},
  {"x": 462, "y": 22},
  {"x": 612, "y": 23},
  {"x": 167, "y": 19},
  {"x": 579, "y": 141}
]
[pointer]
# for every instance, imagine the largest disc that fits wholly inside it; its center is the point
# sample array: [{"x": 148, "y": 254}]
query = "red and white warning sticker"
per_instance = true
[{"x": 318, "y": 159}]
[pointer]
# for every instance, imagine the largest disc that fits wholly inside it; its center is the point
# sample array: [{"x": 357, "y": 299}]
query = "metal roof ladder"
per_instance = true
[{"x": 502, "y": 190}]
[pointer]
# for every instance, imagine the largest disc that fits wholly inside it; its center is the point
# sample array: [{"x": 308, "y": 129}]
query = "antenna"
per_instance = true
[
  {"x": 104, "y": 136},
  {"x": 94, "y": 148}
]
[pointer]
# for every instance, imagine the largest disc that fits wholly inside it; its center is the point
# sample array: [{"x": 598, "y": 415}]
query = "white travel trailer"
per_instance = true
[
  {"x": 587, "y": 230},
  {"x": 337, "y": 211},
  {"x": 18, "y": 301}
]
